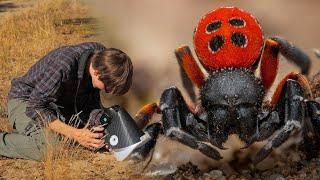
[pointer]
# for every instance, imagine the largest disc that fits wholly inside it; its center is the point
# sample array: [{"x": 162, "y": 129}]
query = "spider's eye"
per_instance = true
[
  {"x": 239, "y": 39},
  {"x": 213, "y": 26},
  {"x": 216, "y": 43},
  {"x": 237, "y": 22}
]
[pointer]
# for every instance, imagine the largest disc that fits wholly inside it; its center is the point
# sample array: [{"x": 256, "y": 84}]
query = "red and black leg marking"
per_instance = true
[
  {"x": 303, "y": 81},
  {"x": 270, "y": 62},
  {"x": 142, "y": 118},
  {"x": 294, "y": 54},
  {"x": 191, "y": 74},
  {"x": 182, "y": 125},
  {"x": 144, "y": 115},
  {"x": 291, "y": 112}
]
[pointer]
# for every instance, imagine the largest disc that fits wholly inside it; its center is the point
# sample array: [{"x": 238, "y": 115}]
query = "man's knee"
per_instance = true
[{"x": 16, "y": 145}]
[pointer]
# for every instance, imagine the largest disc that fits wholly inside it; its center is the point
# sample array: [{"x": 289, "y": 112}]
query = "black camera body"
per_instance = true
[{"x": 122, "y": 134}]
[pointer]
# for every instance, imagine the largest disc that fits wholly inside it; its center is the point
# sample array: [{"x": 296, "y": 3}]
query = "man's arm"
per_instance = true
[
  {"x": 90, "y": 139},
  {"x": 41, "y": 103}
]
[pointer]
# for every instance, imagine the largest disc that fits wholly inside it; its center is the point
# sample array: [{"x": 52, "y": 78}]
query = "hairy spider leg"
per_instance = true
[
  {"x": 144, "y": 115},
  {"x": 270, "y": 61},
  {"x": 294, "y": 54},
  {"x": 311, "y": 133},
  {"x": 142, "y": 118},
  {"x": 291, "y": 110},
  {"x": 303, "y": 81},
  {"x": 153, "y": 130},
  {"x": 190, "y": 72},
  {"x": 179, "y": 123}
]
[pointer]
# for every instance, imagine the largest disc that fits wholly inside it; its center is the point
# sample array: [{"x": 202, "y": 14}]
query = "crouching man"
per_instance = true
[{"x": 64, "y": 82}]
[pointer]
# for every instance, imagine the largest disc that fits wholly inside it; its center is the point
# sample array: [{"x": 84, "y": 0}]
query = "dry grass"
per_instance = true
[
  {"x": 26, "y": 35},
  {"x": 64, "y": 159}
]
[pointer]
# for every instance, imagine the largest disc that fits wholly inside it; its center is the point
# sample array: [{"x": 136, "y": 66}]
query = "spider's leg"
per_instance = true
[
  {"x": 144, "y": 115},
  {"x": 177, "y": 118},
  {"x": 267, "y": 124},
  {"x": 153, "y": 130},
  {"x": 311, "y": 131},
  {"x": 191, "y": 141},
  {"x": 142, "y": 118},
  {"x": 270, "y": 62},
  {"x": 301, "y": 79},
  {"x": 291, "y": 110},
  {"x": 268, "y": 127},
  {"x": 190, "y": 72},
  {"x": 294, "y": 54},
  {"x": 314, "y": 113}
]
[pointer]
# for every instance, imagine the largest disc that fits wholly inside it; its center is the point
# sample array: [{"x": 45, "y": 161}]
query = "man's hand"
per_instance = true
[{"x": 90, "y": 139}]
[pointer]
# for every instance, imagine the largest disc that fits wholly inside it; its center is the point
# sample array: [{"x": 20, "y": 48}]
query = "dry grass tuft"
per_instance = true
[
  {"x": 61, "y": 158},
  {"x": 63, "y": 161},
  {"x": 28, "y": 34}
]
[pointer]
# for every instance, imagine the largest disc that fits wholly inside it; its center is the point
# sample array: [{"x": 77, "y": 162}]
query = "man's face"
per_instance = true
[
  {"x": 95, "y": 78},
  {"x": 97, "y": 83}
]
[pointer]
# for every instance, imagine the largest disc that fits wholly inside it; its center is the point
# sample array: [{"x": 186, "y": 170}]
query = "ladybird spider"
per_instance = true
[{"x": 229, "y": 44}]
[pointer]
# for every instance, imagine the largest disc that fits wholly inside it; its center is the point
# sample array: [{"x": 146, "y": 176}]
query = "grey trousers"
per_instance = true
[{"x": 28, "y": 138}]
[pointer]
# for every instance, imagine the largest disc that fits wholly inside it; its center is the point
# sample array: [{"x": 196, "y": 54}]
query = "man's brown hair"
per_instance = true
[{"x": 115, "y": 69}]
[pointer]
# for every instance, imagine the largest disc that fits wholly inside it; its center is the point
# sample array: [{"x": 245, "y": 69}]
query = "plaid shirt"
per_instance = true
[{"x": 49, "y": 87}]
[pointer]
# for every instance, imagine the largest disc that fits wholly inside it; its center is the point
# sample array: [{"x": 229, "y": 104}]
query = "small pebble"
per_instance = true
[
  {"x": 214, "y": 174},
  {"x": 275, "y": 177},
  {"x": 285, "y": 172},
  {"x": 302, "y": 175},
  {"x": 246, "y": 174}
]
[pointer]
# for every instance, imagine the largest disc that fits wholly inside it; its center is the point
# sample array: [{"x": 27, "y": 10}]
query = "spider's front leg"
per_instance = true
[
  {"x": 181, "y": 124},
  {"x": 270, "y": 61},
  {"x": 291, "y": 111},
  {"x": 142, "y": 118},
  {"x": 311, "y": 131},
  {"x": 190, "y": 72}
]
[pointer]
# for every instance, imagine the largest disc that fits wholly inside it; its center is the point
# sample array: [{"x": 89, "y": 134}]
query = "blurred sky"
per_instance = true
[{"x": 149, "y": 31}]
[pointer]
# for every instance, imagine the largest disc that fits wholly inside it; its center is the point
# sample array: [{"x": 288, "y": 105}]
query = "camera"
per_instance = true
[{"x": 122, "y": 134}]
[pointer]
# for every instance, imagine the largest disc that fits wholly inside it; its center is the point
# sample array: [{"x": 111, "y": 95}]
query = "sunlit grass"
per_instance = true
[{"x": 28, "y": 34}]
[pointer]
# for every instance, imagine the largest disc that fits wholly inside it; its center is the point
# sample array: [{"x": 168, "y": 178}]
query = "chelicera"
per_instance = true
[{"x": 230, "y": 45}]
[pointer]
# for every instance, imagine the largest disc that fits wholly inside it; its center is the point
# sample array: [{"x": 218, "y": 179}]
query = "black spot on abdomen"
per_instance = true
[
  {"x": 216, "y": 43},
  {"x": 237, "y": 22},
  {"x": 239, "y": 39},
  {"x": 213, "y": 26}
]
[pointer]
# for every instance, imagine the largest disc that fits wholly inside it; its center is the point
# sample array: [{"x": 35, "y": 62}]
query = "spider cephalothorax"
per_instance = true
[
  {"x": 232, "y": 99},
  {"x": 230, "y": 46}
]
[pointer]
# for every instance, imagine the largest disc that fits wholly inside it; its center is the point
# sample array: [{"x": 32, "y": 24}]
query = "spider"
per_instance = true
[{"x": 230, "y": 45}]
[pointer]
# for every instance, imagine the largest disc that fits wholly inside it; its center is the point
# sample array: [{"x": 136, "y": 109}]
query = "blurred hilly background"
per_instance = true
[{"x": 148, "y": 31}]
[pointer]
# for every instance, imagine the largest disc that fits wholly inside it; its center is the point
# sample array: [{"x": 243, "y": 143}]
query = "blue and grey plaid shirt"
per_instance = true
[{"x": 50, "y": 85}]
